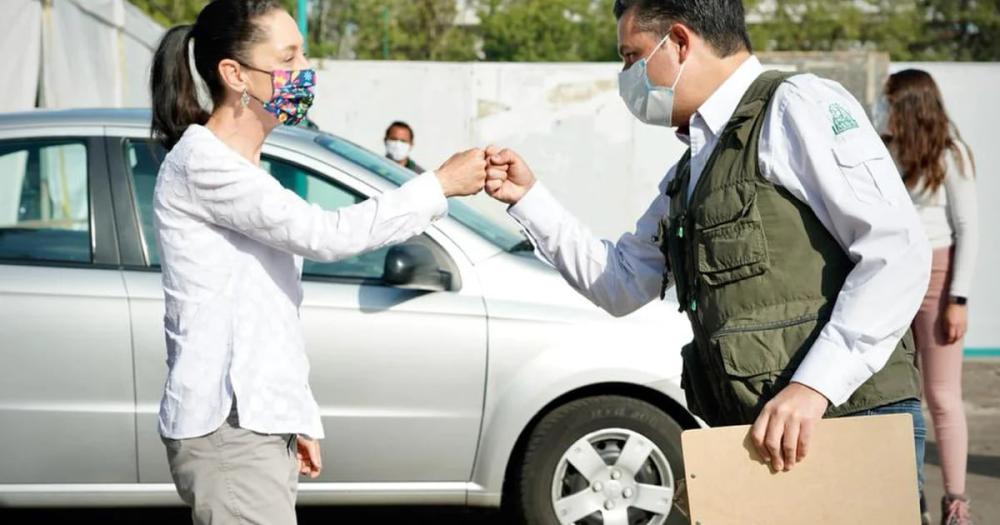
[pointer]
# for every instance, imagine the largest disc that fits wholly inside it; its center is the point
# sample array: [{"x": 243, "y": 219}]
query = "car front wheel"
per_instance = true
[{"x": 603, "y": 460}]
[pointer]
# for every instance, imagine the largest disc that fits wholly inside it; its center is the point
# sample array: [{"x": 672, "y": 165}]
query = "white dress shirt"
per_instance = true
[
  {"x": 231, "y": 241},
  {"x": 845, "y": 175}
]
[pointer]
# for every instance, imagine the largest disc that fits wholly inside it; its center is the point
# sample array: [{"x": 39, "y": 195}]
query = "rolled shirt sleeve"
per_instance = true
[
  {"x": 619, "y": 277},
  {"x": 818, "y": 143}
]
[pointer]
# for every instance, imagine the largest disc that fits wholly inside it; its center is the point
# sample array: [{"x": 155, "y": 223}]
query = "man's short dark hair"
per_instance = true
[
  {"x": 399, "y": 124},
  {"x": 722, "y": 23}
]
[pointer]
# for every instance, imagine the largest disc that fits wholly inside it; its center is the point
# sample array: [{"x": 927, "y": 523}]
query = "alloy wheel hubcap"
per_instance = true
[{"x": 613, "y": 476}]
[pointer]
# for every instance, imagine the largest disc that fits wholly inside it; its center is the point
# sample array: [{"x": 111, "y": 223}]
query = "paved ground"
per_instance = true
[{"x": 982, "y": 392}]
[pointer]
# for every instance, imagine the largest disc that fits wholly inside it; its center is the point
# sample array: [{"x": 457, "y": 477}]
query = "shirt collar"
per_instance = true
[{"x": 720, "y": 106}]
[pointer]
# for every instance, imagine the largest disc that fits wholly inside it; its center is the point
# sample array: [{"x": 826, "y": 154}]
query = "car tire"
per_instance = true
[{"x": 547, "y": 471}]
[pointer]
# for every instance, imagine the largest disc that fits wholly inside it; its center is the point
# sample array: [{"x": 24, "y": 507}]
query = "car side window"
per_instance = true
[
  {"x": 143, "y": 160},
  {"x": 44, "y": 201},
  {"x": 144, "y": 157}
]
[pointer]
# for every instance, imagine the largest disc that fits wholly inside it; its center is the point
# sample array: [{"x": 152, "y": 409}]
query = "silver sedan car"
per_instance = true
[{"x": 455, "y": 369}]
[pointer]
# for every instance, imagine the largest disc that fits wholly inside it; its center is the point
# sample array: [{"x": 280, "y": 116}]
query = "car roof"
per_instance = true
[
  {"x": 78, "y": 117},
  {"x": 123, "y": 117}
]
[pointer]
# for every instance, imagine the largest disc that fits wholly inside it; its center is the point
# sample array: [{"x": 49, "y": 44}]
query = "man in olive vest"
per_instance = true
[{"x": 786, "y": 229}]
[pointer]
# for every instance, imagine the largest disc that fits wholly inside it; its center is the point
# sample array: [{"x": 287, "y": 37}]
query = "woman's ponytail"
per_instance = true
[
  {"x": 225, "y": 29},
  {"x": 174, "y": 96}
]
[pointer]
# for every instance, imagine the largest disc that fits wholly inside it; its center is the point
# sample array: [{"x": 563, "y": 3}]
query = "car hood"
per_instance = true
[{"x": 522, "y": 287}]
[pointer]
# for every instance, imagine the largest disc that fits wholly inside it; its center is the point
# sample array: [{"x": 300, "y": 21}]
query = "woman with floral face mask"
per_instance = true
[
  {"x": 237, "y": 417},
  {"x": 939, "y": 172}
]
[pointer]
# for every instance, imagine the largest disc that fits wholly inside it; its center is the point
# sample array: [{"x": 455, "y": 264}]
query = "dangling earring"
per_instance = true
[{"x": 245, "y": 98}]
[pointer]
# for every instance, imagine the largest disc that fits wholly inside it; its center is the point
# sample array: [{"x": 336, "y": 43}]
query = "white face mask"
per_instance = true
[
  {"x": 880, "y": 116},
  {"x": 397, "y": 150},
  {"x": 650, "y": 104}
]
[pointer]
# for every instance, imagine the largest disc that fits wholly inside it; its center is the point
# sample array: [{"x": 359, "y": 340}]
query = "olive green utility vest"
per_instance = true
[{"x": 758, "y": 275}]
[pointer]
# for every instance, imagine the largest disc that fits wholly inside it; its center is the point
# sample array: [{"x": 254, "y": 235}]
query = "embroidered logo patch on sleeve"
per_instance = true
[{"x": 842, "y": 119}]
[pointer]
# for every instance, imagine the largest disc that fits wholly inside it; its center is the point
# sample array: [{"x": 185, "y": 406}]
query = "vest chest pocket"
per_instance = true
[{"x": 731, "y": 245}]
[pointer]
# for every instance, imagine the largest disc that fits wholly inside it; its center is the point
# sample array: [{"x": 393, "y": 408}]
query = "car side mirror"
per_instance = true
[{"x": 413, "y": 266}]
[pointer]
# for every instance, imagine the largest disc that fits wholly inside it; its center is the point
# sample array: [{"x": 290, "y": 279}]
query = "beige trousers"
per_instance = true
[{"x": 236, "y": 476}]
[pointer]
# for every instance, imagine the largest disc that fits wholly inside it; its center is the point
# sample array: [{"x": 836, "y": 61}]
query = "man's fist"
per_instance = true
[{"x": 508, "y": 178}]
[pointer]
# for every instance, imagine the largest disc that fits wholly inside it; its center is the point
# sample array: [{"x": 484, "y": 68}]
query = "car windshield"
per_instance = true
[{"x": 487, "y": 228}]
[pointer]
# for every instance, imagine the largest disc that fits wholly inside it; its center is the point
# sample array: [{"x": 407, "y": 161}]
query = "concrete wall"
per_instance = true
[
  {"x": 566, "y": 120},
  {"x": 861, "y": 73},
  {"x": 569, "y": 123}
]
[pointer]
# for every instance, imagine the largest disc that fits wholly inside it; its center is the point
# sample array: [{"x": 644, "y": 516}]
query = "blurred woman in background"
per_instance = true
[{"x": 939, "y": 172}]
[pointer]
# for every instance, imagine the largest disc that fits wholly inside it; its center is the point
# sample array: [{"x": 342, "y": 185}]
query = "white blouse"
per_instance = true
[
  {"x": 950, "y": 217},
  {"x": 231, "y": 240}
]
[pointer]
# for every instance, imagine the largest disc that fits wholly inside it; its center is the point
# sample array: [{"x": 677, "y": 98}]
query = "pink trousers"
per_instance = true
[{"x": 941, "y": 366}]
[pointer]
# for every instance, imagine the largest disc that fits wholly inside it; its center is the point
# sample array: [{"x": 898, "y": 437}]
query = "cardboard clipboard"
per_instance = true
[{"x": 859, "y": 470}]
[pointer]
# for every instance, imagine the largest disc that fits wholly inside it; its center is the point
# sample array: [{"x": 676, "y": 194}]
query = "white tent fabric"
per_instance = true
[
  {"x": 21, "y": 42},
  {"x": 77, "y": 53},
  {"x": 140, "y": 36},
  {"x": 69, "y": 54},
  {"x": 80, "y": 63}
]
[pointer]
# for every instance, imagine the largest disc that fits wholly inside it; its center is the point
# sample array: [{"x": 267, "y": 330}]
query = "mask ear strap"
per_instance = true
[
  {"x": 251, "y": 68},
  {"x": 679, "y": 73},
  {"x": 658, "y": 46}
]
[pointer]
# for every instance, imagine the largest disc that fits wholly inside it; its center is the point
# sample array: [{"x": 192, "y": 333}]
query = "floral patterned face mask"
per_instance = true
[{"x": 294, "y": 92}]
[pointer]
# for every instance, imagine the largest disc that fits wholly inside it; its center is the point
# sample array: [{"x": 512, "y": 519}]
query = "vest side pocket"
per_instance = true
[
  {"x": 760, "y": 362},
  {"x": 753, "y": 369}
]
